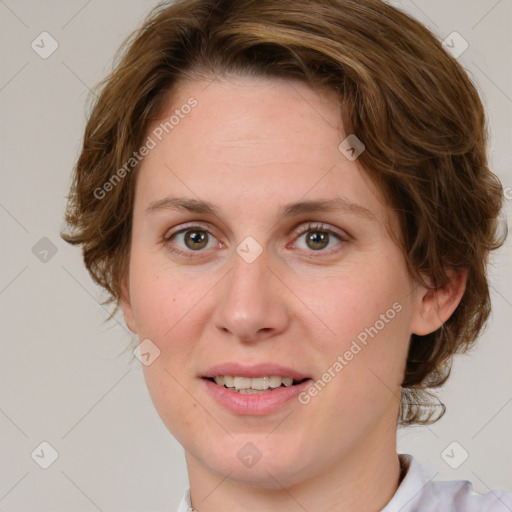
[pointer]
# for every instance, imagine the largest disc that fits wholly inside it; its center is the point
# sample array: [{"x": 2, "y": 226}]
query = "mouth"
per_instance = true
[
  {"x": 255, "y": 385},
  {"x": 256, "y": 389}
]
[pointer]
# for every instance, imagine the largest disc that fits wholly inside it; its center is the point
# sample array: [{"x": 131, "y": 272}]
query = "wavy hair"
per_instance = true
[{"x": 410, "y": 102}]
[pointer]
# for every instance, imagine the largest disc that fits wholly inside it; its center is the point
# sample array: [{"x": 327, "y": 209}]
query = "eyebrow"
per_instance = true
[{"x": 287, "y": 210}]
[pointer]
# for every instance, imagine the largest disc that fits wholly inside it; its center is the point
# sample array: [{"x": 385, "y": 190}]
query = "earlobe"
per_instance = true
[
  {"x": 435, "y": 307},
  {"x": 127, "y": 308}
]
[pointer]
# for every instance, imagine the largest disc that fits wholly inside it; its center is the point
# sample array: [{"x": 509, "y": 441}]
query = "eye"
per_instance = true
[
  {"x": 319, "y": 236},
  {"x": 196, "y": 238},
  {"x": 193, "y": 239}
]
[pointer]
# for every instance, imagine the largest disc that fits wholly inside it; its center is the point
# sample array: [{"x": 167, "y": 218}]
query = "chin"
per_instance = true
[{"x": 262, "y": 463}]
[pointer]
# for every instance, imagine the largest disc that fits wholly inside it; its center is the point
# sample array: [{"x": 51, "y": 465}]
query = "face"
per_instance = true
[{"x": 264, "y": 289}]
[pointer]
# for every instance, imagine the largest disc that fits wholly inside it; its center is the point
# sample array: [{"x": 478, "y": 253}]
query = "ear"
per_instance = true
[
  {"x": 435, "y": 307},
  {"x": 127, "y": 307}
]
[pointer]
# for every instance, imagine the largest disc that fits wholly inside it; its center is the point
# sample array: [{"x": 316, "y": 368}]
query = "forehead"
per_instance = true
[
  {"x": 255, "y": 142},
  {"x": 237, "y": 113}
]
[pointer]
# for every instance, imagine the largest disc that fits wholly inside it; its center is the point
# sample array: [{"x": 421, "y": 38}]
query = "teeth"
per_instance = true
[
  {"x": 258, "y": 383},
  {"x": 275, "y": 382},
  {"x": 242, "y": 382}
]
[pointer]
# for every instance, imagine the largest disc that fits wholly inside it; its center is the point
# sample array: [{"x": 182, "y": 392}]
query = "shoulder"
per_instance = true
[
  {"x": 459, "y": 495},
  {"x": 416, "y": 493}
]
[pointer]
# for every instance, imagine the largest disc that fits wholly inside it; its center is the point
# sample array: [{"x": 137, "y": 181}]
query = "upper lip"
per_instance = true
[{"x": 253, "y": 371}]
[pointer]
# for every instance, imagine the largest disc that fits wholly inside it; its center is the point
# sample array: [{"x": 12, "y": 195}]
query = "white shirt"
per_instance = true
[{"x": 417, "y": 494}]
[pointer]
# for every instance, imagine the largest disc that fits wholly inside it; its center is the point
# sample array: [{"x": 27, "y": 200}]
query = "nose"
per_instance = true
[{"x": 253, "y": 303}]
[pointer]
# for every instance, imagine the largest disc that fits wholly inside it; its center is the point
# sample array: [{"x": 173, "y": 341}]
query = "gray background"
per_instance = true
[{"x": 62, "y": 380}]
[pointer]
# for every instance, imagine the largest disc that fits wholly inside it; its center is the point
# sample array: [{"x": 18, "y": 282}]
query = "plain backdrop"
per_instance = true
[{"x": 62, "y": 379}]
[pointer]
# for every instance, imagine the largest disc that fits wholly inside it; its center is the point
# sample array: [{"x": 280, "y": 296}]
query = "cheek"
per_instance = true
[
  {"x": 160, "y": 298},
  {"x": 163, "y": 307},
  {"x": 167, "y": 389},
  {"x": 365, "y": 321},
  {"x": 349, "y": 305},
  {"x": 166, "y": 301}
]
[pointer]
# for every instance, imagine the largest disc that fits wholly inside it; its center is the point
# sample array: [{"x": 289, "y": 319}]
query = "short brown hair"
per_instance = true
[{"x": 410, "y": 102}]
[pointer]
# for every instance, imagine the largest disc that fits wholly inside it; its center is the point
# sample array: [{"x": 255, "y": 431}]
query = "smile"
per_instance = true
[{"x": 247, "y": 385}]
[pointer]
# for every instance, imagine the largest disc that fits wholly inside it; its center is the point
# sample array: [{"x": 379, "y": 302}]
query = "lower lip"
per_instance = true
[{"x": 254, "y": 404}]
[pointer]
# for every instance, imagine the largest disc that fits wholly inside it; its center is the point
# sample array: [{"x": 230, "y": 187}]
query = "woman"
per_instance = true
[{"x": 291, "y": 203}]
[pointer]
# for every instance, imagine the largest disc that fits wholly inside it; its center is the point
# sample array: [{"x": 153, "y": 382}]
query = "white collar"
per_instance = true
[{"x": 410, "y": 488}]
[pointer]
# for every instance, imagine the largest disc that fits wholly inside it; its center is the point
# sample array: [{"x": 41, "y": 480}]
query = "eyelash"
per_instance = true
[{"x": 310, "y": 227}]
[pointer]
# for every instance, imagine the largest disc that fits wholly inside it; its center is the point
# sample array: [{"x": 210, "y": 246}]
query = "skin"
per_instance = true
[{"x": 250, "y": 146}]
